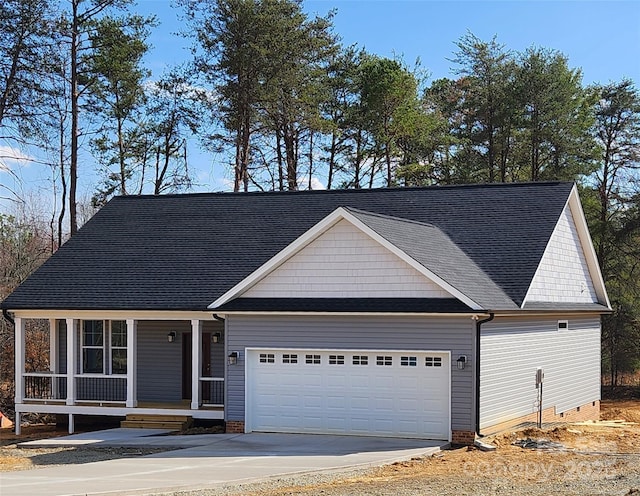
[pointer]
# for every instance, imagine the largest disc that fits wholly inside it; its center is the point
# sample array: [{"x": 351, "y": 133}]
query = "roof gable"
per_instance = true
[
  {"x": 568, "y": 271},
  {"x": 345, "y": 262},
  {"x": 349, "y": 227}
]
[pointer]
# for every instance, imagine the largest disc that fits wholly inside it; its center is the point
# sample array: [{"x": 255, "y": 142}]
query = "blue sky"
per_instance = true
[{"x": 600, "y": 37}]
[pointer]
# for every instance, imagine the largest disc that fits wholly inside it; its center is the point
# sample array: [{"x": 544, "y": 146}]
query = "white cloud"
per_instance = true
[
  {"x": 316, "y": 184},
  {"x": 12, "y": 156}
]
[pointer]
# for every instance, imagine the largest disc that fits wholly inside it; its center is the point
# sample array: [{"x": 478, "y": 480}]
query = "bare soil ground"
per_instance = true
[{"x": 597, "y": 458}]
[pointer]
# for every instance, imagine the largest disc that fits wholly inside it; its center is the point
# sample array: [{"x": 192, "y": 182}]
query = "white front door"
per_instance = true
[{"x": 357, "y": 392}]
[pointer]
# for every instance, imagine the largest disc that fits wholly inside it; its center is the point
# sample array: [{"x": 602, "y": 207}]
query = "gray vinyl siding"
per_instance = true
[
  {"x": 62, "y": 346},
  {"x": 218, "y": 357},
  {"x": 513, "y": 348},
  {"x": 160, "y": 362},
  {"x": 393, "y": 333}
]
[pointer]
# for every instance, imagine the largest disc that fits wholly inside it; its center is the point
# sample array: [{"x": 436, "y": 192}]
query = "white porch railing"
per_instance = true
[
  {"x": 212, "y": 391},
  {"x": 98, "y": 388}
]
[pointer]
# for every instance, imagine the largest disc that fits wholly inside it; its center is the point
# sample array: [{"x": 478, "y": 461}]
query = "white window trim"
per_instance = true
[
  {"x": 107, "y": 348},
  {"x": 112, "y": 347},
  {"x": 84, "y": 346}
]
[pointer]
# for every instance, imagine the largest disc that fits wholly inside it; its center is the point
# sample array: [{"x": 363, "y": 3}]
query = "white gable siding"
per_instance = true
[
  {"x": 513, "y": 348},
  {"x": 345, "y": 262},
  {"x": 563, "y": 275}
]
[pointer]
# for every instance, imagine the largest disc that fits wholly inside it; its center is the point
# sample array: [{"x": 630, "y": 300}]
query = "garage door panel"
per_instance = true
[{"x": 349, "y": 392}]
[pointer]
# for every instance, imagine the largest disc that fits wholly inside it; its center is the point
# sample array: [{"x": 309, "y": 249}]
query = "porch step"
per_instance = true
[{"x": 141, "y": 421}]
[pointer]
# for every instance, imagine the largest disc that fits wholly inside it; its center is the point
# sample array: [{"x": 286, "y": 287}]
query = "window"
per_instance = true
[
  {"x": 312, "y": 359},
  {"x": 360, "y": 359},
  {"x": 93, "y": 347},
  {"x": 384, "y": 360},
  {"x": 336, "y": 359},
  {"x": 267, "y": 358},
  {"x": 288, "y": 358},
  {"x": 563, "y": 325},
  {"x": 433, "y": 361},
  {"x": 118, "y": 347},
  {"x": 408, "y": 361},
  {"x": 104, "y": 347}
]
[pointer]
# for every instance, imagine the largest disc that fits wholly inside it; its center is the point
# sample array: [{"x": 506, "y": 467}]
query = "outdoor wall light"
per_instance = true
[
  {"x": 233, "y": 357},
  {"x": 171, "y": 337},
  {"x": 461, "y": 362},
  {"x": 216, "y": 337}
]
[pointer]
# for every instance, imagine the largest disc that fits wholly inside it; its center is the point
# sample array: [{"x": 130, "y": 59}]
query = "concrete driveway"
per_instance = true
[{"x": 214, "y": 460}]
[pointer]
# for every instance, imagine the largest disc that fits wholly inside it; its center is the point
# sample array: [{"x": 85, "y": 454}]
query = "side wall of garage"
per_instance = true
[
  {"x": 512, "y": 348},
  {"x": 454, "y": 334}
]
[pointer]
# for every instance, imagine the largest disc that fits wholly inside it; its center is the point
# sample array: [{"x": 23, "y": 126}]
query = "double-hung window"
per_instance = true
[
  {"x": 118, "y": 347},
  {"x": 104, "y": 347},
  {"x": 93, "y": 347}
]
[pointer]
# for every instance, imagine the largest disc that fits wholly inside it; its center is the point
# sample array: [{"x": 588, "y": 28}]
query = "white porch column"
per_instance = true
[
  {"x": 19, "y": 352},
  {"x": 132, "y": 363},
  {"x": 53, "y": 355},
  {"x": 72, "y": 342},
  {"x": 196, "y": 340}
]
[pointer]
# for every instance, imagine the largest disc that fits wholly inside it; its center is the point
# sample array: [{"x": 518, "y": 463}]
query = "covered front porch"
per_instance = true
[{"x": 116, "y": 365}]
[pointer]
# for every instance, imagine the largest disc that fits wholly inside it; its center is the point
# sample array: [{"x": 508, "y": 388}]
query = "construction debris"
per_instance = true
[
  {"x": 606, "y": 423},
  {"x": 482, "y": 446},
  {"x": 542, "y": 444},
  {"x": 5, "y": 422}
]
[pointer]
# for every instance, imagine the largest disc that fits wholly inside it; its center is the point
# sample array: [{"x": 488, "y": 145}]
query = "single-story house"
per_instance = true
[{"x": 419, "y": 312}]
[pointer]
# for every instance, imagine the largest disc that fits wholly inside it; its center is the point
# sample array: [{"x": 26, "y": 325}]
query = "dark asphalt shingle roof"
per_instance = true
[
  {"x": 433, "y": 249},
  {"x": 182, "y": 252}
]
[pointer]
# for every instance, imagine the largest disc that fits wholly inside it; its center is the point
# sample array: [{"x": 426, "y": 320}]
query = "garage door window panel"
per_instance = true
[
  {"x": 386, "y": 361},
  {"x": 360, "y": 360}
]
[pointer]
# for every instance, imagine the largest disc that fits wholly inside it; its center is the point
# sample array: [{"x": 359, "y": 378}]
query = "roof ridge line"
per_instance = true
[{"x": 349, "y": 190}]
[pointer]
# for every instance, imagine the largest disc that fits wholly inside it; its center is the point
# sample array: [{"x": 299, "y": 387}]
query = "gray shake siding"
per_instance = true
[
  {"x": 454, "y": 334},
  {"x": 512, "y": 349}
]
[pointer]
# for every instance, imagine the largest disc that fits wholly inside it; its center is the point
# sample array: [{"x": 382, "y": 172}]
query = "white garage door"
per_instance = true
[{"x": 373, "y": 393}]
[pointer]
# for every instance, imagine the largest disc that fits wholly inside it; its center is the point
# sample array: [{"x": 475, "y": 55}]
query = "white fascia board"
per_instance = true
[
  {"x": 112, "y": 314},
  {"x": 580, "y": 221},
  {"x": 587, "y": 246},
  {"x": 336, "y": 216}
]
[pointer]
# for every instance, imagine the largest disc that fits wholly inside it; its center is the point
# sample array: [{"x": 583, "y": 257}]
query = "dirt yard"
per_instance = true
[{"x": 597, "y": 458}]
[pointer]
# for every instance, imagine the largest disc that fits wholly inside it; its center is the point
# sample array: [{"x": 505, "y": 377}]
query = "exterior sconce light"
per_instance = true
[
  {"x": 216, "y": 337},
  {"x": 233, "y": 358},
  {"x": 171, "y": 337},
  {"x": 461, "y": 362}
]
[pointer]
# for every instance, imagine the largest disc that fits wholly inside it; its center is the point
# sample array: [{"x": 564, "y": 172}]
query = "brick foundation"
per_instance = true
[
  {"x": 234, "y": 427},
  {"x": 463, "y": 438},
  {"x": 588, "y": 411}
]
